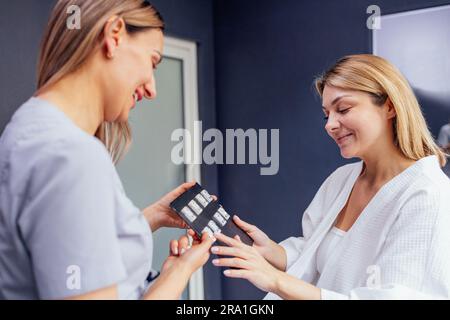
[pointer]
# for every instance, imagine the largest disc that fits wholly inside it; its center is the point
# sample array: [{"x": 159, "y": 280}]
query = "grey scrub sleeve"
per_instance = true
[
  {"x": 75, "y": 228},
  {"x": 68, "y": 226}
]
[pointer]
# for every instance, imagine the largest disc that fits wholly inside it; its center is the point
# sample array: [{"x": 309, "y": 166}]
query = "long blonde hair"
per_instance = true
[
  {"x": 384, "y": 82},
  {"x": 63, "y": 50}
]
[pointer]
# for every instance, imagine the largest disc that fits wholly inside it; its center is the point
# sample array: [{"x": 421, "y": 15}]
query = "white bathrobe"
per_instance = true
[{"x": 399, "y": 247}]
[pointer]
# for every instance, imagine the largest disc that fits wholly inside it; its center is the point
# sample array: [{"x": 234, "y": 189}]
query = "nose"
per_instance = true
[
  {"x": 332, "y": 123},
  {"x": 150, "y": 89}
]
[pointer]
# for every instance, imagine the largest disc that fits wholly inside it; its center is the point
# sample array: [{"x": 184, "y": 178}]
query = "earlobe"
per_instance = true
[{"x": 109, "y": 48}]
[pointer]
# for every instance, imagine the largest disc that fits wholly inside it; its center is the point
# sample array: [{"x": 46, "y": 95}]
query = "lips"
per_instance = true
[
  {"x": 135, "y": 99},
  {"x": 137, "y": 95},
  {"x": 343, "y": 137}
]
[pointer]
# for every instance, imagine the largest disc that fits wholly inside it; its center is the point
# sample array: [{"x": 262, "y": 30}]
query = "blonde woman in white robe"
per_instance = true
[{"x": 376, "y": 229}]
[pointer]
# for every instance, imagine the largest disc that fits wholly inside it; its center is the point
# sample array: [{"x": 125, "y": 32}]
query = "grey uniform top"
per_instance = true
[{"x": 66, "y": 225}]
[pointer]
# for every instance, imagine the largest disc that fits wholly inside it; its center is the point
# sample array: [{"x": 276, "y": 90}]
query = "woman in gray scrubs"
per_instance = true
[{"x": 67, "y": 229}]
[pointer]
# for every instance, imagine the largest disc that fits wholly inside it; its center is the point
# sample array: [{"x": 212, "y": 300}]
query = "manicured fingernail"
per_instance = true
[
  {"x": 215, "y": 261},
  {"x": 175, "y": 251},
  {"x": 226, "y": 272},
  {"x": 183, "y": 250},
  {"x": 214, "y": 249}
]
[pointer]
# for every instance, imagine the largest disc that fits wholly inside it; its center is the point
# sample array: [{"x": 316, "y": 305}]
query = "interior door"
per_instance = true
[{"x": 147, "y": 171}]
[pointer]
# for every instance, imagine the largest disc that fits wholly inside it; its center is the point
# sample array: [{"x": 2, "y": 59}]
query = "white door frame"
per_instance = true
[{"x": 186, "y": 51}]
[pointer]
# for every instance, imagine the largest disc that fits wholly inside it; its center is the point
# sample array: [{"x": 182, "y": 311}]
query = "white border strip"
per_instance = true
[{"x": 186, "y": 51}]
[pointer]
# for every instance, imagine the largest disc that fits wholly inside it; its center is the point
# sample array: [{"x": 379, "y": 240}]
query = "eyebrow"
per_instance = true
[{"x": 336, "y": 100}]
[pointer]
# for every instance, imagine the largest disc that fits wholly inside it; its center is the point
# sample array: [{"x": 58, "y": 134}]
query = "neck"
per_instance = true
[
  {"x": 380, "y": 167},
  {"x": 77, "y": 95}
]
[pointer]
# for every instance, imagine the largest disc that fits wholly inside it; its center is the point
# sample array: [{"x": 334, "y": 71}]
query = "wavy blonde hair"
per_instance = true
[
  {"x": 380, "y": 79},
  {"x": 63, "y": 50}
]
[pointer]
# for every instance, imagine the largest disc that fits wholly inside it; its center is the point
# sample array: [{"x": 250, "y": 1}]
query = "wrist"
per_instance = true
[
  {"x": 267, "y": 250},
  {"x": 170, "y": 284},
  {"x": 278, "y": 282},
  {"x": 271, "y": 252},
  {"x": 289, "y": 287},
  {"x": 180, "y": 270},
  {"x": 152, "y": 218}
]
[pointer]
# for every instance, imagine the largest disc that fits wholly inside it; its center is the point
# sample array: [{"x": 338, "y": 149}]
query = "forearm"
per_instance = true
[
  {"x": 169, "y": 285},
  {"x": 109, "y": 293},
  {"x": 276, "y": 256},
  {"x": 291, "y": 288}
]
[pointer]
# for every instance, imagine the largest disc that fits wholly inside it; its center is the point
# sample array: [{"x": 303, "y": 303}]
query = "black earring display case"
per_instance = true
[{"x": 204, "y": 214}]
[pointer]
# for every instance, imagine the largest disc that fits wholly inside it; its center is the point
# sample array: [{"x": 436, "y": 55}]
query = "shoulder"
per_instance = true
[
  {"x": 339, "y": 177},
  {"x": 77, "y": 148},
  {"x": 39, "y": 132},
  {"x": 69, "y": 161},
  {"x": 429, "y": 181},
  {"x": 74, "y": 155},
  {"x": 331, "y": 190},
  {"x": 427, "y": 196},
  {"x": 41, "y": 144},
  {"x": 334, "y": 183},
  {"x": 346, "y": 170},
  {"x": 60, "y": 145}
]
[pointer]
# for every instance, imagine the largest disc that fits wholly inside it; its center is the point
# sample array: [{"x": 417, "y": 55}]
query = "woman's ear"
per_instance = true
[
  {"x": 114, "y": 31},
  {"x": 391, "y": 113}
]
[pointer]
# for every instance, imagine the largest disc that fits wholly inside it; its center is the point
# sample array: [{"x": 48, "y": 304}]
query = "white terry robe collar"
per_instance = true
[{"x": 304, "y": 268}]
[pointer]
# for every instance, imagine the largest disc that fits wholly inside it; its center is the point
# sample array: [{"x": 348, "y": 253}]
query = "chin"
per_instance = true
[{"x": 348, "y": 153}]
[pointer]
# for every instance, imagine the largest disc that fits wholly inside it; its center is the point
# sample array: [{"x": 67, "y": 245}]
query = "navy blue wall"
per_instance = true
[
  {"x": 267, "y": 54},
  {"x": 22, "y": 24}
]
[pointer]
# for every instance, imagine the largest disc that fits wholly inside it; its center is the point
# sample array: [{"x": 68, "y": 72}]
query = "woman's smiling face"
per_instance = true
[
  {"x": 356, "y": 124},
  {"x": 129, "y": 73}
]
